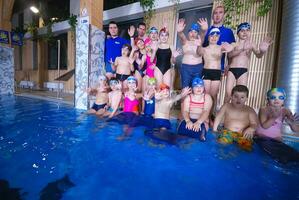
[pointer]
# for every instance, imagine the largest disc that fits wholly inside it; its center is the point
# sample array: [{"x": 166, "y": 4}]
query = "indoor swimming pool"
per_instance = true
[{"x": 52, "y": 151}]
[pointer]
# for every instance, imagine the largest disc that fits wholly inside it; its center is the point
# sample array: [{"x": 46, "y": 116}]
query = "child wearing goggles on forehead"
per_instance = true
[
  {"x": 114, "y": 98},
  {"x": 212, "y": 55},
  {"x": 101, "y": 95},
  {"x": 131, "y": 108},
  {"x": 240, "y": 57},
  {"x": 274, "y": 113}
]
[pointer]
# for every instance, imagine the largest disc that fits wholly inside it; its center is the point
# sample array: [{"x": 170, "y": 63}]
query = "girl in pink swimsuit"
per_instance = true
[
  {"x": 273, "y": 114},
  {"x": 149, "y": 72}
]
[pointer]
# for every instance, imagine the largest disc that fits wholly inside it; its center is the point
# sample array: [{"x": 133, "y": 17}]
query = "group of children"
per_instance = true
[{"x": 140, "y": 93}]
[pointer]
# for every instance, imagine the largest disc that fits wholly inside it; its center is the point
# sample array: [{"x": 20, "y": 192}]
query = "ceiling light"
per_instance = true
[{"x": 34, "y": 9}]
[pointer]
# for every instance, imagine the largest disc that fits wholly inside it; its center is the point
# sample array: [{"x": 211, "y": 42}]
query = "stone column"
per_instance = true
[{"x": 89, "y": 49}]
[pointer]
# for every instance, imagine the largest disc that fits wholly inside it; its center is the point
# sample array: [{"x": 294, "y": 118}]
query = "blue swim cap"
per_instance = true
[
  {"x": 131, "y": 78},
  {"x": 243, "y": 26},
  {"x": 194, "y": 27},
  {"x": 280, "y": 90},
  {"x": 153, "y": 30},
  {"x": 214, "y": 31},
  {"x": 197, "y": 82}
]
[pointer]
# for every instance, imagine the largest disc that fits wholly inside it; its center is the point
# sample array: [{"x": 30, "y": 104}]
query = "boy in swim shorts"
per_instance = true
[
  {"x": 163, "y": 104},
  {"x": 240, "y": 120},
  {"x": 114, "y": 98},
  {"x": 101, "y": 94}
]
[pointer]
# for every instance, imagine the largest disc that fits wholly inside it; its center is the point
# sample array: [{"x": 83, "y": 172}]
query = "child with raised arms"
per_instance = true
[{"x": 240, "y": 57}]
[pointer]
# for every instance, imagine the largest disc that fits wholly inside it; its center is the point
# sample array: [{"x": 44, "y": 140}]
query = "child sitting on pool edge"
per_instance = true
[
  {"x": 240, "y": 121},
  {"x": 114, "y": 98},
  {"x": 196, "y": 110},
  {"x": 101, "y": 94}
]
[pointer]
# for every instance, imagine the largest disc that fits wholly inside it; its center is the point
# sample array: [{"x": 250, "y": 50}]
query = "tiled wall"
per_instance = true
[{"x": 6, "y": 70}]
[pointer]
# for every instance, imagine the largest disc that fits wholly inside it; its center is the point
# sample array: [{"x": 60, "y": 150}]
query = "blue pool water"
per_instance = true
[{"x": 46, "y": 145}]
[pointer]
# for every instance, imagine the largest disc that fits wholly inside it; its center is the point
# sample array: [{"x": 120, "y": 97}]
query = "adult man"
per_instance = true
[
  {"x": 113, "y": 46},
  {"x": 226, "y": 34}
]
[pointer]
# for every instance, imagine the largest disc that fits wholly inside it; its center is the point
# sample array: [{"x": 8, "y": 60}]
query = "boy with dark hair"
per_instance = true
[
  {"x": 123, "y": 65},
  {"x": 240, "y": 121}
]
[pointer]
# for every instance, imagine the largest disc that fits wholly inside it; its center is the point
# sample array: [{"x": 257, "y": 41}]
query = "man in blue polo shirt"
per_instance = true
[
  {"x": 113, "y": 46},
  {"x": 226, "y": 34}
]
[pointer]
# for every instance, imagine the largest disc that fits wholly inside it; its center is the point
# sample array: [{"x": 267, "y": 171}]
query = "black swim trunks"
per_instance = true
[
  {"x": 211, "y": 74},
  {"x": 97, "y": 107},
  {"x": 122, "y": 77},
  {"x": 237, "y": 72}
]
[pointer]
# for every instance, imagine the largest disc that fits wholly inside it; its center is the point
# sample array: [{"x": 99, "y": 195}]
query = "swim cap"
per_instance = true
[
  {"x": 243, "y": 26},
  {"x": 214, "y": 31},
  {"x": 151, "y": 81},
  {"x": 131, "y": 79},
  {"x": 163, "y": 86},
  {"x": 280, "y": 90},
  {"x": 102, "y": 78},
  {"x": 197, "y": 82},
  {"x": 194, "y": 27},
  {"x": 153, "y": 30}
]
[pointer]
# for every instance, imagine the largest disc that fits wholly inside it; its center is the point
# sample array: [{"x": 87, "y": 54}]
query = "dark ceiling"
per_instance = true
[{"x": 48, "y": 8}]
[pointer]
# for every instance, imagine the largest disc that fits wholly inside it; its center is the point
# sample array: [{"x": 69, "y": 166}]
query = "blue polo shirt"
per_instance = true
[
  {"x": 226, "y": 35},
  {"x": 113, "y": 47}
]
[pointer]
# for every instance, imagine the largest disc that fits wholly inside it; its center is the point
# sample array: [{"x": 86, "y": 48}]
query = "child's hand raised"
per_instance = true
[
  {"x": 264, "y": 45},
  {"x": 186, "y": 91},
  {"x": 181, "y": 25},
  {"x": 203, "y": 22},
  {"x": 131, "y": 31},
  {"x": 226, "y": 47}
]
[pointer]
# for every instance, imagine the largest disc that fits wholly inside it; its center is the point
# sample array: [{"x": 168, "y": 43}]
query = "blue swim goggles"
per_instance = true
[
  {"x": 280, "y": 97},
  {"x": 113, "y": 82}
]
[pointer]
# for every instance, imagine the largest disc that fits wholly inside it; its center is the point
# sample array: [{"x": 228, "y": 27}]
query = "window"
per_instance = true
[
  {"x": 191, "y": 16},
  {"x": 53, "y": 52}
]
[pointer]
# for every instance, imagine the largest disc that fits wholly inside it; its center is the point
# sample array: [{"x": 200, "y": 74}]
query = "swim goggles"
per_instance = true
[
  {"x": 214, "y": 31},
  {"x": 153, "y": 30},
  {"x": 280, "y": 97},
  {"x": 243, "y": 26},
  {"x": 131, "y": 79},
  {"x": 113, "y": 82}
]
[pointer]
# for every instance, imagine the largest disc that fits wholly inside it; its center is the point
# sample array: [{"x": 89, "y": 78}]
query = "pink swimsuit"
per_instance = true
[
  {"x": 149, "y": 71},
  {"x": 130, "y": 105},
  {"x": 274, "y": 131}
]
